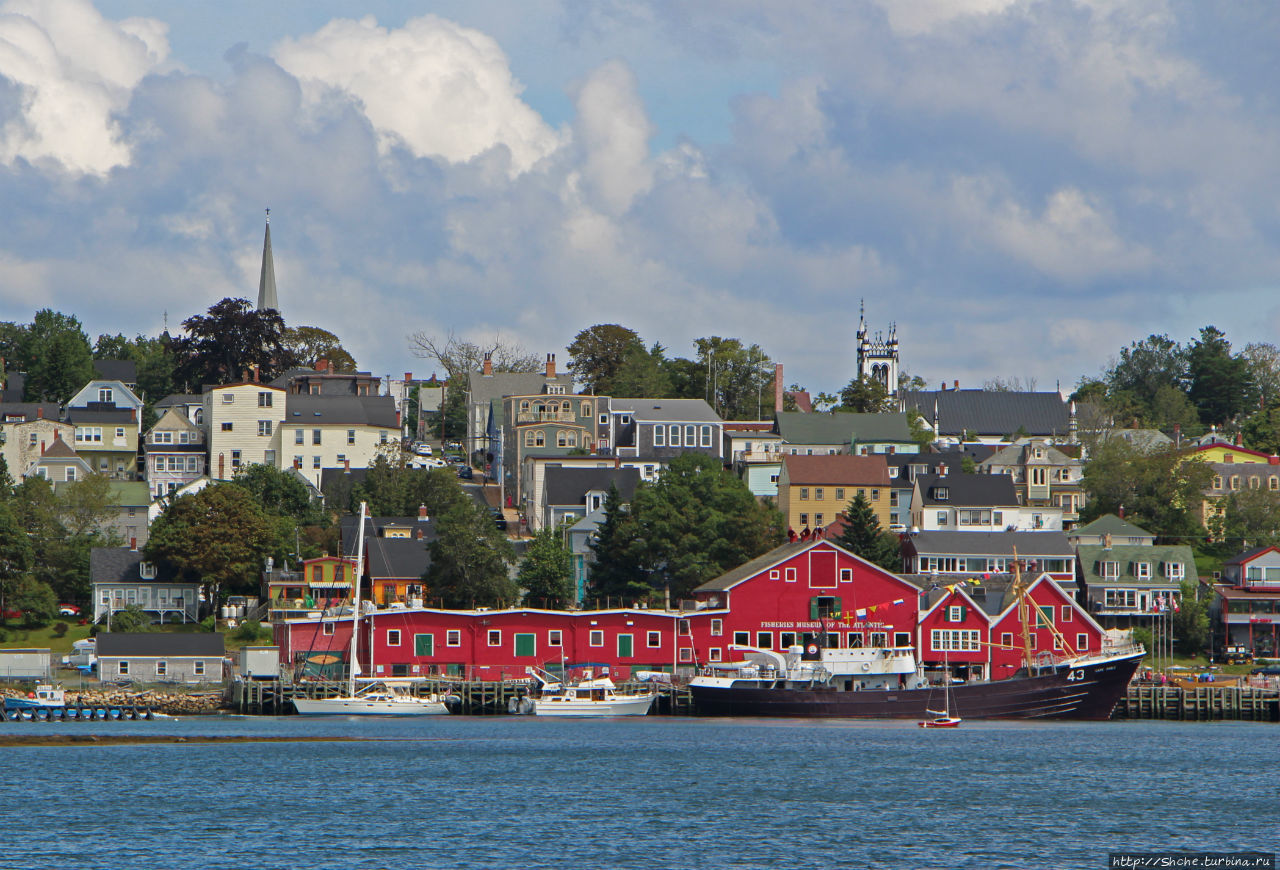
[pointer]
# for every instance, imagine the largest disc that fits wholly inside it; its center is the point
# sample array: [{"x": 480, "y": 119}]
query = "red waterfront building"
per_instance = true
[{"x": 785, "y": 597}]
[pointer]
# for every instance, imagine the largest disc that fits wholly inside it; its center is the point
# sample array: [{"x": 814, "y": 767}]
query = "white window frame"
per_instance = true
[
  {"x": 197, "y": 667},
  {"x": 393, "y": 637},
  {"x": 494, "y": 637},
  {"x": 717, "y": 627},
  {"x": 328, "y": 629},
  {"x": 653, "y": 640},
  {"x": 453, "y": 637},
  {"x": 555, "y": 637},
  {"x": 595, "y": 638}
]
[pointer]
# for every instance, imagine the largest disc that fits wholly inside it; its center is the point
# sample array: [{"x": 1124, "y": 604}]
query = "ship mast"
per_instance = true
[{"x": 1020, "y": 592}]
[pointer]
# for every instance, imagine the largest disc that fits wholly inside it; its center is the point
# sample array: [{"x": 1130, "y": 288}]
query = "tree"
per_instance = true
[
  {"x": 1012, "y": 384},
  {"x": 1190, "y": 623},
  {"x": 469, "y": 560},
  {"x": 1146, "y": 365},
  {"x": 691, "y": 525},
  {"x": 86, "y": 506},
  {"x": 460, "y": 357},
  {"x": 1220, "y": 385},
  {"x": 130, "y": 619},
  {"x": 310, "y": 344},
  {"x": 864, "y": 537},
  {"x": 737, "y": 380},
  {"x": 643, "y": 375},
  {"x": 866, "y": 395},
  {"x": 1263, "y": 362},
  {"x": 546, "y": 573},
  {"x": 233, "y": 338},
  {"x": 279, "y": 492},
  {"x": 1160, "y": 490},
  {"x": 598, "y": 354},
  {"x": 219, "y": 536},
  {"x": 57, "y": 357},
  {"x": 36, "y": 601},
  {"x": 1262, "y": 430},
  {"x": 1246, "y": 519},
  {"x": 615, "y": 569},
  {"x": 16, "y": 552}
]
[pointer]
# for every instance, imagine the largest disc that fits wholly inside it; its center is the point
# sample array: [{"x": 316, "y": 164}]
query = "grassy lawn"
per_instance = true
[{"x": 46, "y": 638}]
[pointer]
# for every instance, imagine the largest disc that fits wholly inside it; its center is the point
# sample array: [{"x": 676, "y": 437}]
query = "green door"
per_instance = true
[
  {"x": 526, "y": 644},
  {"x": 424, "y": 644},
  {"x": 625, "y": 646}
]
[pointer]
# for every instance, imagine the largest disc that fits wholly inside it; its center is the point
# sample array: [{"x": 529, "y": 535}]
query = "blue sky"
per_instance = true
[{"x": 1022, "y": 187}]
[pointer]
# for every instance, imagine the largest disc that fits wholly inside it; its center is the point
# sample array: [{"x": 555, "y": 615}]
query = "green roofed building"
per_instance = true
[
  {"x": 1128, "y": 585},
  {"x": 843, "y": 432}
]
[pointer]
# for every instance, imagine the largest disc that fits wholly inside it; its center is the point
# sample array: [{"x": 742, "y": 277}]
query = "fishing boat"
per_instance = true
[
  {"x": 44, "y": 696},
  {"x": 588, "y": 696},
  {"x": 377, "y": 698},
  {"x": 888, "y": 682}
]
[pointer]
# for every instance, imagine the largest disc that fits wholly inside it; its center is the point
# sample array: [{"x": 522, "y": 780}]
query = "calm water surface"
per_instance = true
[{"x": 655, "y": 792}]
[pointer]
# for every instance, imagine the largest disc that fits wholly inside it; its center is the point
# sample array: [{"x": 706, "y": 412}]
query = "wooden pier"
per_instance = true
[
  {"x": 470, "y": 697},
  {"x": 1202, "y": 704}
]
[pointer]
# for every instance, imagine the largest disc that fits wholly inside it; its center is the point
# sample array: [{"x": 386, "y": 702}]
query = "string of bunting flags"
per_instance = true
[{"x": 861, "y": 612}]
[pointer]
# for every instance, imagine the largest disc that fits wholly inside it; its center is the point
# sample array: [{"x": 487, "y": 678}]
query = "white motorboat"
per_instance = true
[
  {"x": 380, "y": 698},
  {"x": 586, "y": 697}
]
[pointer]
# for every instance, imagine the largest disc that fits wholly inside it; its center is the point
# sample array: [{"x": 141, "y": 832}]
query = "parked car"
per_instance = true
[
  {"x": 499, "y": 519},
  {"x": 465, "y": 472},
  {"x": 423, "y": 450},
  {"x": 68, "y": 610}
]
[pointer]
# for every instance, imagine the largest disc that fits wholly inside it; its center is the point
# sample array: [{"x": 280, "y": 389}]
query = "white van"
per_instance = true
[{"x": 84, "y": 654}]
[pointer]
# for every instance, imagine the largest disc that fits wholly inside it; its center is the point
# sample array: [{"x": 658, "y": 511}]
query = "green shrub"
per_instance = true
[{"x": 250, "y": 631}]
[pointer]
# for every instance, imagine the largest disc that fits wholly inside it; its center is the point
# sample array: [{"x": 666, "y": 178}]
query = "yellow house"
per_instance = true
[{"x": 814, "y": 490}]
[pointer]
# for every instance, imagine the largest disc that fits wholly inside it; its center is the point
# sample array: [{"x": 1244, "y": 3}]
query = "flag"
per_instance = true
[{"x": 1176, "y": 608}]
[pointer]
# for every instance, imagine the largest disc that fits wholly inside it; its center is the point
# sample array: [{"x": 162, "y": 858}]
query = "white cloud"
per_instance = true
[
  {"x": 432, "y": 86},
  {"x": 613, "y": 133},
  {"x": 1070, "y": 240},
  {"x": 75, "y": 70}
]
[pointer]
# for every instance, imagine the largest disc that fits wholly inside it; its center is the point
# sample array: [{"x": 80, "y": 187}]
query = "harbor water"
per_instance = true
[{"x": 656, "y": 792}]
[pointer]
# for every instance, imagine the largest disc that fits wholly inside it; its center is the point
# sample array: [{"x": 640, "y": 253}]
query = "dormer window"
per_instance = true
[
  {"x": 1142, "y": 570},
  {"x": 1110, "y": 570},
  {"x": 147, "y": 570},
  {"x": 1173, "y": 570},
  {"x": 105, "y": 395},
  {"x": 941, "y": 493}
]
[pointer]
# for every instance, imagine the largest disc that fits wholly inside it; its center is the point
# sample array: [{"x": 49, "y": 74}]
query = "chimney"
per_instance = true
[
  {"x": 55, "y": 432},
  {"x": 488, "y": 364},
  {"x": 421, "y": 534},
  {"x": 222, "y": 466},
  {"x": 1120, "y": 511},
  {"x": 257, "y": 376},
  {"x": 397, "y": 419},
  {"x": 322, "y": 365},
  {"x": 1239, "y": 439},
  {"x": 1106, "y": 538},
  {"x": 422, "y": 513},
  {"x": 551, "y": 365},
  {"x": 39, "y": 412},
  {"x": 1177, "y": 435},
  {"x": 956, "y": 385},
  {"x": 346, "y": 466},
  {"x": 777, "y": 388}
]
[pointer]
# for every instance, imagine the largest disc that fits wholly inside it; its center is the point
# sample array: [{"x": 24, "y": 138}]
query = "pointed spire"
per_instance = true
[{"x": 267, "y": 281}]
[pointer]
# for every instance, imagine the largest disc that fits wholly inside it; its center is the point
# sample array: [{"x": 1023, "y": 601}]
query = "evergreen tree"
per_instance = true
[
  {"x": 863, "y": 536},
  {"x": 58, "y": 359},
  {"x": 615, "y": 570},
  {"x": 16, "y": 553},
  {"x": 469, "y": 560},
  {"x": 1190, "y": 623},
  {"x": 1220, "y": 383},
  {"x": 546, "y": 573}
]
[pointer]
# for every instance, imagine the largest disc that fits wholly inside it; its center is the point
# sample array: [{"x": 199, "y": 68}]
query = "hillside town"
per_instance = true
[{"x": 645, "y": 514}]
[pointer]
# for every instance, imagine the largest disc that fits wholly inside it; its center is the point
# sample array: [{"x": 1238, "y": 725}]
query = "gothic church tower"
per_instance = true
[{"x": 878, "y": 357}]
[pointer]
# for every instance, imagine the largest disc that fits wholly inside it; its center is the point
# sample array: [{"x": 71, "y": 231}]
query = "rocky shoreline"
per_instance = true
[{"x": 172, "y": 703}]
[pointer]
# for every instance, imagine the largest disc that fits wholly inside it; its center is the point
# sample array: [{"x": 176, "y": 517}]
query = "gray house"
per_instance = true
[
  {"x": 160, "y": 657},
  {"x": 120, "y": 578},
  {"x": 572, "y": 493},
  {"x": 655, "y": 431}
]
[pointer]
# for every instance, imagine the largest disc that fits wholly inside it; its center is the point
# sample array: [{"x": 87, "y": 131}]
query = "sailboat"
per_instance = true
[
  {"x": 943, "y": 718},
  {"x": 381, "y": 698}
]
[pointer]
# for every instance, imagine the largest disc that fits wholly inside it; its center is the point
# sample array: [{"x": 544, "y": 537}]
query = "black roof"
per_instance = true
[
  {"x": 30, "y": 410},
  {"x": 123, "y": 370},
  {"x": 349, "y": 530},
  {"x": 569, "y": 486},
  {"x": 329, "y": 476},
  {"x": 991, "y": 412},
  {"x": 354, "y": 410},
  {"x": 160, "y": 643},
  {"x": 397, "y": 558},
  {"x": 983, "y": 490},
  {"x": 120, "y": 565}
]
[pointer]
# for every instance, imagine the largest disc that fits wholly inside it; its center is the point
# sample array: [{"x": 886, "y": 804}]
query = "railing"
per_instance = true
[{"x": 546, "y": 417}]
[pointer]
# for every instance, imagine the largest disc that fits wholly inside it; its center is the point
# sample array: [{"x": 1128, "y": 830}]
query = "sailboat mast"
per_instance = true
[{"x": 355, "y": 601}]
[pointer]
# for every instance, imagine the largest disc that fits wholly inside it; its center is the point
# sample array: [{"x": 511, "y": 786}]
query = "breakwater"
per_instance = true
[
  {"x": 1201, "y": 704},
  {"x": 169, "y": 703}
]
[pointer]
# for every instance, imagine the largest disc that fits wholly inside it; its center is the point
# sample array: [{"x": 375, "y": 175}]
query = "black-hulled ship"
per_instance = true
[{"x": 886, "y": 683}]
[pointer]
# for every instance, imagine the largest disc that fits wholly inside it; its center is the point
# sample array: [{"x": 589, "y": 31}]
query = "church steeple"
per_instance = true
[{"x": 267, "y": 281}]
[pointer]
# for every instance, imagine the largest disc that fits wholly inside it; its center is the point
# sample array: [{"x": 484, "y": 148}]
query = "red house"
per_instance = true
[{"x": 1049, "y": 608}]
